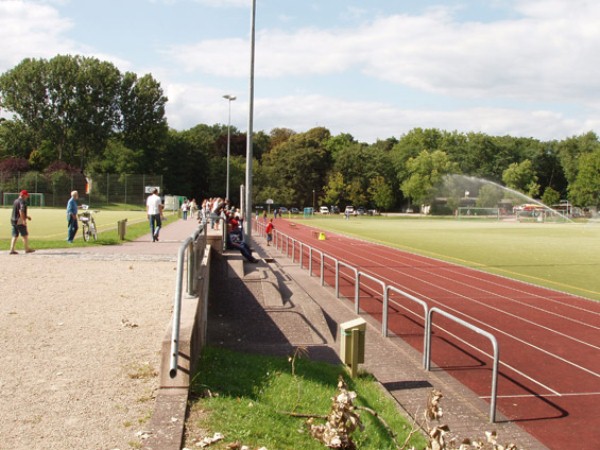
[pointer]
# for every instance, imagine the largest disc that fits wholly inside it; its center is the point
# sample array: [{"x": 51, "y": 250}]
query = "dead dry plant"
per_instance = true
[{"x": 440, "y": 437}]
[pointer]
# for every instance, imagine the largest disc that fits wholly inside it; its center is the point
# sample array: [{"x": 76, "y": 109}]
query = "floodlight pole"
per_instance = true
[
  {"x": 230, "y": 98},
  {"x": 248, "y": 212}
]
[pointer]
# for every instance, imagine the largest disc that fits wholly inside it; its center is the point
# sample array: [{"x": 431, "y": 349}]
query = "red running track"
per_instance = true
[{"x": 549, "y": 341}]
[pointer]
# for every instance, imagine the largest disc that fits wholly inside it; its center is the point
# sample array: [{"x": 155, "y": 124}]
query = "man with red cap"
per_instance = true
[{"x": 18, "y": 220}]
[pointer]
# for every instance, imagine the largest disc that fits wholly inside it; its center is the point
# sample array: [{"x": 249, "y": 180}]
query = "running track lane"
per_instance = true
[{"x": 549, "y": 372}]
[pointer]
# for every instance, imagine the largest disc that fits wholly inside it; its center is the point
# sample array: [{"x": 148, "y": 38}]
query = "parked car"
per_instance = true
[
  {"x": 361, "y": 211},
  {"x": 294, "y": 210},
  {"x": 349, "y": 210},
  {"x": 334, "y": 209},
  {"x": 324, "y": 210},
  {"x": 283, "y": 210}
]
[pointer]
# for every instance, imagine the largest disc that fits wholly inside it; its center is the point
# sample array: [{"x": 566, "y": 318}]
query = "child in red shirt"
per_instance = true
[{"x": 269, "y": 231}]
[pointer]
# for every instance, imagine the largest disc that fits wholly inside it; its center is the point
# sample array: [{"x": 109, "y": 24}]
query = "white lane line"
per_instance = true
[
  {"x": 508, "y": 366},
  {"x": 571, "y": 394}
]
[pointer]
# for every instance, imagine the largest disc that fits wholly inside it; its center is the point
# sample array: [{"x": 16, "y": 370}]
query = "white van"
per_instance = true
[{"x": 324, "y": 210}]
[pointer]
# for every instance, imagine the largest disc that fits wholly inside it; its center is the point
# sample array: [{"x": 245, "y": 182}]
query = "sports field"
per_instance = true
[
  {"x": 48, "y": 224},
  {"x": 563, "y": 256}
]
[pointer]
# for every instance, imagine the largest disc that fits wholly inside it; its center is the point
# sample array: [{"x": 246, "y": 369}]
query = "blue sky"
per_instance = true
[{"x": 374, "y": 69}]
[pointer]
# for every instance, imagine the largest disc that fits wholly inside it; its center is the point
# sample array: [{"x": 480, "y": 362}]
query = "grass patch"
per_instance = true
[
  {"x": 48, "y": 229},
  {"x": 142, "y": 371},
  {"x": 254, "y": 393}
]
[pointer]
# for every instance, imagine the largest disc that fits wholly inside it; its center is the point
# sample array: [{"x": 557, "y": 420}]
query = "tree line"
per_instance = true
[{"x": 73, "y": 113}]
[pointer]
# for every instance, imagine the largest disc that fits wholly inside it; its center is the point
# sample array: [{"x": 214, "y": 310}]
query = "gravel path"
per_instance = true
[{"x": 81, "y": 334}]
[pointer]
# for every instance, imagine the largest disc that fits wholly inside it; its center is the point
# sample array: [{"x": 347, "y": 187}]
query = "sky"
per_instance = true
[{"x": 374, "y": 69}]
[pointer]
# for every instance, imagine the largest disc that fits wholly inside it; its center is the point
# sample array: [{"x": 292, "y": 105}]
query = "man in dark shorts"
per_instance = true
[{"x": 18, "y": 220}]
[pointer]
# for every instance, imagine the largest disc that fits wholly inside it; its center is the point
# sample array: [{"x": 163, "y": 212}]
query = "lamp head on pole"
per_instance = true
[{"x": 229, "y": 97}]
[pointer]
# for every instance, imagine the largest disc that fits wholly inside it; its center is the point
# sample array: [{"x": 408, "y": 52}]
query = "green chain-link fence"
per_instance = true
[{"x": 96, "y": 189}]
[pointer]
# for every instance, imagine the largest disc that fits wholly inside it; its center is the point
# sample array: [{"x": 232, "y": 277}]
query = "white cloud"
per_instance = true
[
  {"x": 32, "y": 29},
  {"x": 366, "y": 121},
  {"x": 211, "y": 3},
  {"x": 547, "y": 55}
]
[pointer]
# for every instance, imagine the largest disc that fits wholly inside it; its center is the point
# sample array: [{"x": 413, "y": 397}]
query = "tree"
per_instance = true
[
  {"x": 336, "y": 144},
  {"x": 550, "y": 197},
  {"x": 334, "y": 190},
  {"x": 410, "y": 146},
  {"x": 585, "y": 190},
  {"x": 80, "y": 106},
  {"x": 547, "y": 166},
  {"x": 571, "y": 149},
  {"x": 142, "y": 122},
  {"x": 278, "y": 136},
  {"x": 521, "y": 177},
  {"x": 355, "y": 193},
  {"x": 13, "y": 165},
  {"x": 425, "y": 172},
  {"x": 186, "y": 165},
  {"x": 297, "y": 167},
  {"x": 489, "y": 196},
  {"x": 16, "y": 139},
  {"x": 73, "y": 105},
  {"x": 382, "y": 194}
]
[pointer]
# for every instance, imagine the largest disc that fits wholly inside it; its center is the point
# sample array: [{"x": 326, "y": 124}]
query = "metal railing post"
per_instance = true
[
  {"x": 372, "y": 278},
  {"x": 477, "y": 330},
  {"x": 384, "y": 322},
  {"x": 184, "y": 250}
]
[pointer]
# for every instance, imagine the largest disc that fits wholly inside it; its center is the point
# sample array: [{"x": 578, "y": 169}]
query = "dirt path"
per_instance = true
[{"x": 80, "y": 336}]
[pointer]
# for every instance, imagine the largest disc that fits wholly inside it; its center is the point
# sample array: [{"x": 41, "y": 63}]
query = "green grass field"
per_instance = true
[
  {"x": 51, "y": 223},
  {"x": 48, "y": 227},
  {"x": 564, "y": 256}
]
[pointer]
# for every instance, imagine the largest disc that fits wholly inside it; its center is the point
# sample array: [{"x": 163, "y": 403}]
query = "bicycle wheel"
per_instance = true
[
  {"x": 93, "y": 230},
  {"x": 85, "y": 231}
]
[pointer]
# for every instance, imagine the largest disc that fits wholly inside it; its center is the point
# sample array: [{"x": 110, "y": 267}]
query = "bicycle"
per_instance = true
[{"x": 88, "y": 225}]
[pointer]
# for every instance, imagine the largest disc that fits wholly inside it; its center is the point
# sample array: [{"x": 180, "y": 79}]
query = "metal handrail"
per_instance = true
[
  {"x": 428, "y": 314},
  {"x": 190, "y": 247},
  {"x": 477, "y": 330},
  {"x": 372, "y": 278},
  {"x": 339, "y": 263},
  {"x": 384, "y": 320}
]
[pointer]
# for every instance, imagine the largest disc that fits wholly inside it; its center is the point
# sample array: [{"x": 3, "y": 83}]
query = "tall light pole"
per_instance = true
[
  {"x": 249, "y": 150},
  {"x": 229, "y": 98}
]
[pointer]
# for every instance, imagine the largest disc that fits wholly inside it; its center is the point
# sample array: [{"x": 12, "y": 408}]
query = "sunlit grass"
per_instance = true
[
  {"x": 48, "y": 228},
  {"x": 562, "y": 256},
  {"x": 255, "y": 394}
]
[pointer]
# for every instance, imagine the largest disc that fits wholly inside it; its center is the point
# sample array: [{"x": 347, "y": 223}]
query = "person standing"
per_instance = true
[
  {"x": 154, "y": 210},
  {"x": 72, "y": 224},
  {"x": 269, "y": 231},
  {"x": 185, "y": 206},
  {"x": 193, "y": 209},
  {"x": 18, "y": 220}
]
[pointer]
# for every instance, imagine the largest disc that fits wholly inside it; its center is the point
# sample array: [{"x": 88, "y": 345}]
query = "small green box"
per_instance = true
[{"x": 346, "y": 347}]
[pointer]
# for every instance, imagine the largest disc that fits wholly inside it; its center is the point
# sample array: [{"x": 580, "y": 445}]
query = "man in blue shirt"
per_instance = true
[{"x": 72, "y": 224}]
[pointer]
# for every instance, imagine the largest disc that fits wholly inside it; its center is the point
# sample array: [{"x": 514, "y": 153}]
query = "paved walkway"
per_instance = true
[{"x": 173, "y": 233}]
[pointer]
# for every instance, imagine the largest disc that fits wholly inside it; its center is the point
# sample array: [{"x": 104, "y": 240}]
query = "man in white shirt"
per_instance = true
[{"x": 154, "y": 208}]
